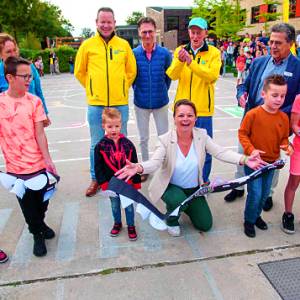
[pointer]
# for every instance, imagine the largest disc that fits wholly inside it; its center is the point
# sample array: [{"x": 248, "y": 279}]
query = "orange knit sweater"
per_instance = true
[{"x": 264, "y": 131}]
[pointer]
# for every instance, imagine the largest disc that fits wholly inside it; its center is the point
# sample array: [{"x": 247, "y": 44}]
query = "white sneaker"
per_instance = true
[{"x": 174, "y": 230}]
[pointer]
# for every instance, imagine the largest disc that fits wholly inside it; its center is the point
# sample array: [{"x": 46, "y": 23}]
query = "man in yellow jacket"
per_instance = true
[
  {"x": 106, "y": 68},
  {"x": 197, "y": 67}
]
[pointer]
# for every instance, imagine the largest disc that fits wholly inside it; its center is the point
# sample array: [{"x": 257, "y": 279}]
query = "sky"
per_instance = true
[{"x": 83, "y": 13}]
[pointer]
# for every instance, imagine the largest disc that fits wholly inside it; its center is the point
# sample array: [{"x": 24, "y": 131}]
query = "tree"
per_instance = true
[
  {"x": 40, "y": 18},
  {"x": 87, "y": 32},
  {"x": 134, "y": 18},
  {"x": 30, "y": 42},
  {"x": 270, "y": 13},
  {"x": 224, "y": 18}
]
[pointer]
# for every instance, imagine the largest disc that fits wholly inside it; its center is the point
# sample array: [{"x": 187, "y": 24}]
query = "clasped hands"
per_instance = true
[{"x": 184, "y": 56}]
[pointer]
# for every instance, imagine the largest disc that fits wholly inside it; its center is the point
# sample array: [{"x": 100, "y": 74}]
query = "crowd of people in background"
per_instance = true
[{"x": 268, "y": 82}]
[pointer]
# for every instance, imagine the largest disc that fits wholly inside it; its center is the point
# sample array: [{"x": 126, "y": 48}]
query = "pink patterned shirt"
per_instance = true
[{"x": 17, "y": 133}]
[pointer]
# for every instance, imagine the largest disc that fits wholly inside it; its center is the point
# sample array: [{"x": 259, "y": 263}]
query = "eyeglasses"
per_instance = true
[
  {"x": 147, "y": 32},
  {"x": 24, "y": 76}
]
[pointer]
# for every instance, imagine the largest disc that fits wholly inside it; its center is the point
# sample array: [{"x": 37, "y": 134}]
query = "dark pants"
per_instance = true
[
  {"x": 197, "y": 209},
  {"x": 34, "y": 209},
  {"x": 206, "y": 123}
]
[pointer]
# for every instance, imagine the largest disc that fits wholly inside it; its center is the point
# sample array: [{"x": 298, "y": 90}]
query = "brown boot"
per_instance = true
[
  {"x": 144, "y": 177},
  {"x": 92, "y": 189}
]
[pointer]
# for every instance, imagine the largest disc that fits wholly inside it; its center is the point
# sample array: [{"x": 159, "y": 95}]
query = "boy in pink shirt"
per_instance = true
[{"x": 24, "y": 146}]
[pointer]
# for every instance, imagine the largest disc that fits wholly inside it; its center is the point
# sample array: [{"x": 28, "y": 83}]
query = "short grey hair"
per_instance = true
[{"x": 288, "y": 29}]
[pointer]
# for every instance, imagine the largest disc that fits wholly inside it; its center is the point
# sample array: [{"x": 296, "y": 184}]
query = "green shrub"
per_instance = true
[
  {"x": 63, "y": 53},
  {"x": 30, "y": 42}
]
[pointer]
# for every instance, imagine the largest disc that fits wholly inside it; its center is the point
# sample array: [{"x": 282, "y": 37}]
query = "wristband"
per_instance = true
[
  {"x": 140, "y": 173},
  {"x": 244, "y": 160}
]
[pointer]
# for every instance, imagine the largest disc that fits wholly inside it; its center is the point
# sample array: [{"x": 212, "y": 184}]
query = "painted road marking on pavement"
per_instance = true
[
  {"x": 60, "y": 290},
  {"x": 108, "y": 245},
  {"x": 150, "y": 236},
  {"x": 86, "y": 158},
  {"x": 67, "y": 236},
  {"x": 68, "y": 127},
  {"x": 23, "y": 252},
  {"x": 4, "y": 216},
  {"x": 192, "y": 239},
  {"x": 227, "y": 80},
  {"x": 234, "y": 111}
]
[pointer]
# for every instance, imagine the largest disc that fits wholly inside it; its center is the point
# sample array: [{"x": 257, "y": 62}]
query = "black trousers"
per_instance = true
[{"x": 34, "y": 209}]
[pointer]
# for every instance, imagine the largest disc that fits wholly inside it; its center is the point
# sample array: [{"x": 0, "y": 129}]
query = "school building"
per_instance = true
[{"x": 257, "y": 7}]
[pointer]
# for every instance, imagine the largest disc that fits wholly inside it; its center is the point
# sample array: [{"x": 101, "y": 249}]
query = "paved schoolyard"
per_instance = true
[{"x": 84, "y": 262}]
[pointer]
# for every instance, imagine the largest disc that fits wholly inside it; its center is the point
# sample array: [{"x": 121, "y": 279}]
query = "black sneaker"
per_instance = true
[
  {"x": 261, "y": 224},
  {"x": 39, "y": 246},
  {"x": 233, "y": 195},
  {"x": 288, "y": 223},
  {"x": 249, "y": 229},
  {"x": 268, "y": 204},
  {"x": 48, "y": 232}
]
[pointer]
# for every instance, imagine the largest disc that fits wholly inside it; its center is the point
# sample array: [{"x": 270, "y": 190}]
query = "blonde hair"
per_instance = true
[
  {"x": 4, "y": 37},
  {"x": 110, "y": 113}
]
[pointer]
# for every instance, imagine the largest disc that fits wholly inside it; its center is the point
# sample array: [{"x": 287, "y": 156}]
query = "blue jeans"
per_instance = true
[
  {"x": 116, "y": 211},
  {"x": 71, "y": 68},
  {"x": 206, "y": 123},
  {"x": 94, "y": 117},
  {"x": 258, "y": 192}
]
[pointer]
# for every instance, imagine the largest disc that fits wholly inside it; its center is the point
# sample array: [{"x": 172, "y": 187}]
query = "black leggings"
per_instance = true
[{"x": 34, "y": 209}]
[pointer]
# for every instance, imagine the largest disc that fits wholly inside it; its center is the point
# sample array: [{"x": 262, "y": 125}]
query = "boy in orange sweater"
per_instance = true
[{"x": 264, "y": 131}]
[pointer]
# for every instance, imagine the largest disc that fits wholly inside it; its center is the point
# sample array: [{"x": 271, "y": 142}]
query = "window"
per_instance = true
[
  {"x": 254, "y": 14},
  {"x": 186, "y": 22},
  {"x": 172, "y": 23},
  {"x": 272, "y": 9},
  {"x": 243, "y": 16},
  {"x": 293, "y": 8}
]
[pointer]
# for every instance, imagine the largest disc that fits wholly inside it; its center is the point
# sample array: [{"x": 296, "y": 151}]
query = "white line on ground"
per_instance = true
[
  {"x": 68, "y": 127},
  {"x": 231, "y": 81}
]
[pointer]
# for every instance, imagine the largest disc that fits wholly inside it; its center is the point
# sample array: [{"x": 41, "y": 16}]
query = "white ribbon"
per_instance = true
[
  {"x": 125, "y": 201},
  {"x": 18, "y": 186}
]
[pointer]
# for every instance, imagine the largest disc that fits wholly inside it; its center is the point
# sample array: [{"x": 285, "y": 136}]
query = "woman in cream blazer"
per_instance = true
[{"x": 177, "y": 165}]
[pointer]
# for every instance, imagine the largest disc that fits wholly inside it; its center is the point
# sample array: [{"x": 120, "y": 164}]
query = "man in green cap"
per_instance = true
[{"x": 197, "y": 67}]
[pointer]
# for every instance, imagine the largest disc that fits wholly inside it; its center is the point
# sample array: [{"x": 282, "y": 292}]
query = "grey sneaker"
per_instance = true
[
  {"x": 174, "y": 230},
  {"x": 288, "y": 223}
]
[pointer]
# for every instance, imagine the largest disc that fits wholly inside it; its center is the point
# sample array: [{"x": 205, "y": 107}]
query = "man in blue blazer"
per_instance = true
[
  {"x": 151, "y": 84},
  {"x": 282, "y": 62}
]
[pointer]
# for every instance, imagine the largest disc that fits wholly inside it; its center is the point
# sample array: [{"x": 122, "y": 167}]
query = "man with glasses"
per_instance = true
[
  {"x": 197, "y": 67},
  {"x": 106, "y": 68},
  {"x": 282, "y": 62},
  {"x": 151, "y": 84}
]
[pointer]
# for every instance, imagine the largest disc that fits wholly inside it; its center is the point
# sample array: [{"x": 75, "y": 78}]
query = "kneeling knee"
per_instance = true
[{"x": 204, "y": 227}]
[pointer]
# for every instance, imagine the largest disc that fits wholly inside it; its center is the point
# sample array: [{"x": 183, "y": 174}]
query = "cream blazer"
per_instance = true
[{"x": 163, "y": 159}]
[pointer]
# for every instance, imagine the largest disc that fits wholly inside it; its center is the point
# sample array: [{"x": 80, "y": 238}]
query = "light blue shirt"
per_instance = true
[
  {"x": 271, "y": 68},
  {"x": 196, "y": 50}
]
